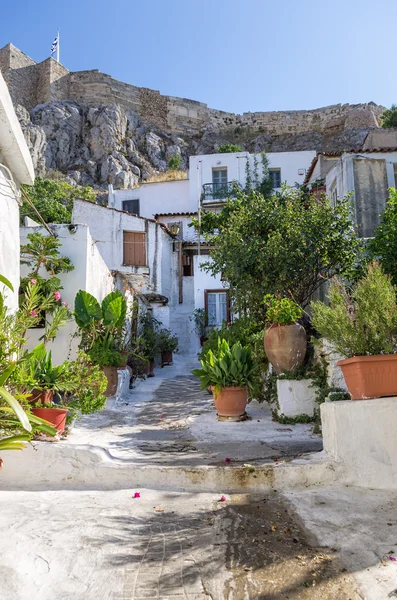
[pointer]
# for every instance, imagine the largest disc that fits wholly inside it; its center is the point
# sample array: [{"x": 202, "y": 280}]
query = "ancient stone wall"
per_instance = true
[{"x": 31, "y": 84}]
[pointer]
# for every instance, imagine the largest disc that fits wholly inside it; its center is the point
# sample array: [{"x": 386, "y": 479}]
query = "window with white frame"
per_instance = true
[
  {"x": 219, "y": 177},
  {"x": 275, "y": 177},
  {"x": 217, "y": 307}
]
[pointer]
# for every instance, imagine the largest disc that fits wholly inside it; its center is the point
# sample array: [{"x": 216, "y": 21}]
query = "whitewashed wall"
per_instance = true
[
  {"x": 9, "y": 240},
  {"x": 160, "y": 197},
  {"x": 90, "y": 274},
  {"x": 204, "y": 281}
]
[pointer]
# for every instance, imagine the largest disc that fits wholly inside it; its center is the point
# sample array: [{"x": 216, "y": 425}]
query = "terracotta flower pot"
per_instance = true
[
  {"x": 150, "y": 369},
  {"x": 370, "y": 376},
  {"x": 113, "y": 379},
  {"x": 41, "y": 396},
  {"x": 55, "y": 416},
  {"x": 231, "y": 402},
  {"x": 285, "y": 346},
  {"x": 166, "y": 357}
]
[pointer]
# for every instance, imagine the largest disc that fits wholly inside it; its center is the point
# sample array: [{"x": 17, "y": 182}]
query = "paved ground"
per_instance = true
[
  {"x": 87, "y": 542},
  {"x": 110, "y": 546},
  {"x": 168, "y": 420}
]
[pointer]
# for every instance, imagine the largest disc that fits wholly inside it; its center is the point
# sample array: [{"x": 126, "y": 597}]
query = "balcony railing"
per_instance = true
[{"x": 219, "y": 191}]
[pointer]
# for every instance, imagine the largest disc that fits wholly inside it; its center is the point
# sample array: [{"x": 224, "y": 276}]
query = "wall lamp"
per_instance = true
[{"x": 174, "y": 229}]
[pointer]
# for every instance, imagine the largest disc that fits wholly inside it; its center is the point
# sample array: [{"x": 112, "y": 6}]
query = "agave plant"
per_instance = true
[{"x": 228, "y": 366}]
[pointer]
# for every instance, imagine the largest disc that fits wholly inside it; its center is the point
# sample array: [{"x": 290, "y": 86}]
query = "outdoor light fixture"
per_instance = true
[{"x": 174, "y": 229}]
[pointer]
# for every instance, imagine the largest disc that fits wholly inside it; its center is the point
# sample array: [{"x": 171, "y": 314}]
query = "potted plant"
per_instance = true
[
  {"x": 361, "y": 324},
  {"x": 231, "y": 373},
  {"x": 285, "y": 339},
  {"x": 167, "y": 344},
  {"x": 147, "y": 343},
  {"x": 200, "y": 319},
  {"x": 102, "y": 329},
  {"x": 48, "y": 379}
]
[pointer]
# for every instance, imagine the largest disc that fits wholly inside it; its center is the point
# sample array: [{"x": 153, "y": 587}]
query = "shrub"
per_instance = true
[
  {"x": 228, "y": 149},
  {"x": 383, "y": 247},
  {"x": 174, "y": 162},
  {"x": 362, "y": 321},
  {"x": 389, "y": 117},
  {"x": 281, "y": 310}
]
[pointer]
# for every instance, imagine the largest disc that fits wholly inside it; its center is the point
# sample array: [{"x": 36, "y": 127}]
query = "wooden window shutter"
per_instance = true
[{"x": 134, "y": 248}]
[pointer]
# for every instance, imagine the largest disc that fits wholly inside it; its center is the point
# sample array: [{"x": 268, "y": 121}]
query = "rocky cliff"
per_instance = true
[
  {"x": 97, "y": 130},
  {"x": 102, "y": 144}
]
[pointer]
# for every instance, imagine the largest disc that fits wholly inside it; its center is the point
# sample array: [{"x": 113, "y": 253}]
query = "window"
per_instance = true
[
  {"x": 134, "y": 248},
  {"x": 131, "y": 206},
  {"x": 217, "y": 306},
  {"x": 275, "y": 177},
  {"x": 219, "y": 178}
]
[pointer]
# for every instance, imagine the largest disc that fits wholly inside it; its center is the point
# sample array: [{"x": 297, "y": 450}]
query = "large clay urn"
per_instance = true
[{"x": 285, "y": 346}]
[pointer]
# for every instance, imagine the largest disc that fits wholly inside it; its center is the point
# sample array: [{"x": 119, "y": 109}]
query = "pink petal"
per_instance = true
[
  {"x": 222, "y": 499},
  {"x": 393, "y": 558},
  {"x": 137, "y": 495},
  {"x": 228, "y": 459}
]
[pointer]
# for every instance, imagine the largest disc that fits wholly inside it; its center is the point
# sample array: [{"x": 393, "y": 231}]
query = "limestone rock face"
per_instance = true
[
  {"x": 108, "y": 143},
  {"x": 95, "y": 145}
]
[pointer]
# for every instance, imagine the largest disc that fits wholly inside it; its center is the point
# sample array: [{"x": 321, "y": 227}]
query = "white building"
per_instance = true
[
  {"x": 367, "y": 173},
  {"x": 211, "y": 179},
  {"x": 16, "y": 167}
]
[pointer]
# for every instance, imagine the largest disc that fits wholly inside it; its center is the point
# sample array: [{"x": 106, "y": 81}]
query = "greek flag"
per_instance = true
[{"x": 55, "y": 45}]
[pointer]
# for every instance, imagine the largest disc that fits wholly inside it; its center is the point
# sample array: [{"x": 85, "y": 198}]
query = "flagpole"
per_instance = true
[{"x": 58, "y": 48}]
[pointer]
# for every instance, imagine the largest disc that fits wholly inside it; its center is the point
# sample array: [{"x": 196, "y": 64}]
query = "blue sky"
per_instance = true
[{"x": 235, "y": 55}]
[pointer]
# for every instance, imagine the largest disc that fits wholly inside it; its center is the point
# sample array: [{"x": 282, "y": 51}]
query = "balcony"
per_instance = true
[{"x": 215, "y": 192}]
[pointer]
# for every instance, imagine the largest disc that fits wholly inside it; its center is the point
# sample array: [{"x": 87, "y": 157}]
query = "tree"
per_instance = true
[
  {"x": 389, "y": 117},
  {"x": 383, "y": 246},
  {"x": 228, "y": 148},
  {"x": 54, "y": 199},
  {"x": 285, "y": 245}
]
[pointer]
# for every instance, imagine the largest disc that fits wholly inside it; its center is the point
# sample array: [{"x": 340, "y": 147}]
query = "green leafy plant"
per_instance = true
[
  {"x": 281, "y": 311},
  {"x": 389, "y": 117},
  {"x": 38, "y": 370},
  {"x": 87, "y": 383},
  {"x": 103, "y": 328},
  {"x": 228, "y": 366},
  {"x": 383, "y": 247},
  {"x": 174, "y": 162},
  {"x": 200, "y": 319},
  {"x": 54, "y": 199},
  {"x": 361, "y": 321},
  {"x": 167, "y": 341},
  {"x": 228, "y": 149}
]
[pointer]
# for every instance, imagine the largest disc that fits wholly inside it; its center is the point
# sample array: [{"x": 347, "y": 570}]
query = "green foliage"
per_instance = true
[
  {"x": 200, "y": 318},
  {"x": 282, "y": 311},
  {"x": 174, "y": 162},
  {"x": 54, "y": 199},
  {"x": 167, "y": 341},
  {"x": 284, "y": 245},
  {"x": 38, "y": 370},
  {"x": 362, "y": 321},
  {"x": 295, "y": 420},
  {"x": 383, "y": 246},
  {"x": 389, "y": 117},
  {"x": 42, "y": 251},
  {"x": 228, "y": 149},
  {"x": 88, "y": 384},
  {"x": 228, "y": 366},
  {"x": 104, "y": 330},
  {"x": 248, "y": 176}
]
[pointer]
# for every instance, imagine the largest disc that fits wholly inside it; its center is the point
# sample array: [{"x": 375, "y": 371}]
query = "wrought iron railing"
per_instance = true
[{"x": 219, "y": 191}]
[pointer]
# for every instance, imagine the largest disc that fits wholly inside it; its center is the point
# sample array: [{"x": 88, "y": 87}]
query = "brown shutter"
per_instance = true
[{"x": 134, "y": 248}]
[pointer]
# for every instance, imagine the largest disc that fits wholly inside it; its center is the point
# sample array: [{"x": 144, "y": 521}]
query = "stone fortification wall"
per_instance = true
[{"x": 31, "y": 84}]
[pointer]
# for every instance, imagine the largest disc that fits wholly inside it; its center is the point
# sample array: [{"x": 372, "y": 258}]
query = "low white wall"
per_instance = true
[
  {"x": 296, "y": 397},
  {"x": 9, "y": 240},
  {"x": 361, "y": 436},
  {"x": 90, "y": 274}
]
